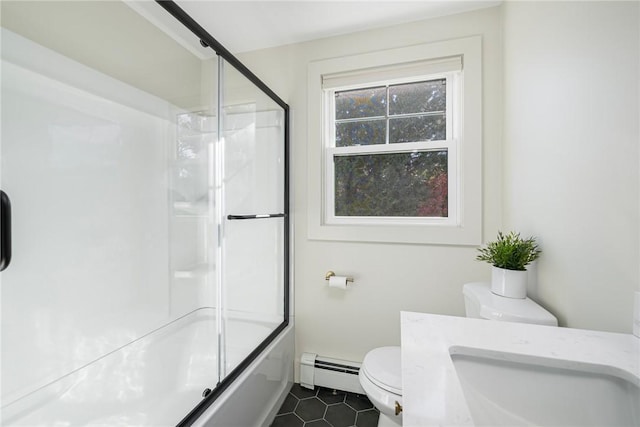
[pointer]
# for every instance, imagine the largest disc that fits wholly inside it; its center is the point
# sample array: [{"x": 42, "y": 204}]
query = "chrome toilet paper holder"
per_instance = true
[{"x": 330, "y": 274}]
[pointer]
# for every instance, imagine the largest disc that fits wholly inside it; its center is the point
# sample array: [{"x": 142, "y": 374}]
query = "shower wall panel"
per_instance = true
[{"x": 87, "y": 177}]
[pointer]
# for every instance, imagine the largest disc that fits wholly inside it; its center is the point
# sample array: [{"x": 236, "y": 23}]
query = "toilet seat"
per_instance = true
[{"x": 382, "y": 367}]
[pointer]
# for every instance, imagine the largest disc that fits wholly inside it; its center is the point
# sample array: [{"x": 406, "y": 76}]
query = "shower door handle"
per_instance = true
[
  {"x": 5, "y": 230},
  {"x": 255, "y": 216}
]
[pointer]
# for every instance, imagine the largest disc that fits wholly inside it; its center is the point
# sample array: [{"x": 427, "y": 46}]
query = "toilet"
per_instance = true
[
  {"x": 380, "y": 374},
  {"x": 381, "y": 379}
]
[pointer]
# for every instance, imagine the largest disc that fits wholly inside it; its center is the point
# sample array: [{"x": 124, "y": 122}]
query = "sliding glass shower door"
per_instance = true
[
  {"x": 252, "y": 176},
  {"x": 145, "y": 178}
]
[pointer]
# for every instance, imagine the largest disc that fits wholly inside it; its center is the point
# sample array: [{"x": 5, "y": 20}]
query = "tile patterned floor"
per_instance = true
[{"x": 323, "y": 407}]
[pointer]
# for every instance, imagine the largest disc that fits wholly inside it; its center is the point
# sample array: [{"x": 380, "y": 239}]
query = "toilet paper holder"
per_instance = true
[{"x": 330, "y": 274}]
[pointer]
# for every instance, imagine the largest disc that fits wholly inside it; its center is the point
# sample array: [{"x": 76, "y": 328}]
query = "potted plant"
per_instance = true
[{"x": 509, "y": 255}]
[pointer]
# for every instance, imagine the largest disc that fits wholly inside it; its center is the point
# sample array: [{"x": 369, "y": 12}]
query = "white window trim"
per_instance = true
[{"x": 466, "y": 229}]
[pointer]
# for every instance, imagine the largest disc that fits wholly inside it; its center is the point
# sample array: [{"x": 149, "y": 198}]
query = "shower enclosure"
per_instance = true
[{"x": 144, "y": 215}]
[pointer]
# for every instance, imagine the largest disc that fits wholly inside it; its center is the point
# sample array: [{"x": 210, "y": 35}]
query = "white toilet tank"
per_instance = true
[{"x": 480, "y": 302}]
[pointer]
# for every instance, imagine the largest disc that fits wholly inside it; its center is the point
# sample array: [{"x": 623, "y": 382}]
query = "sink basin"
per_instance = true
[
  {"x": 514, "y": 390},
  {"x": 468, "y": 372}
]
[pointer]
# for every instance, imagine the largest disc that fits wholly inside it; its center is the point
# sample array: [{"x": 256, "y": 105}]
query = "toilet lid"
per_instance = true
[{"x": 382, "y": 367}]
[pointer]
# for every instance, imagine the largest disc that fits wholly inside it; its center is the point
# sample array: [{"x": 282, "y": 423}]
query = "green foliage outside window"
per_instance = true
[
  {"x": 413, "y": 184},
  {"x": 402, "y": 185}
]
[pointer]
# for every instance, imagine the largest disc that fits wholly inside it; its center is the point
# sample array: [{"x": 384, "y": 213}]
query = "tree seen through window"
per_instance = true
[{"x": 402, "y": 184}]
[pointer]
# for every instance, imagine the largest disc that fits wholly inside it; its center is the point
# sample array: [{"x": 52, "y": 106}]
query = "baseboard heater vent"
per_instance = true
[{"x": 330, "y": 373}]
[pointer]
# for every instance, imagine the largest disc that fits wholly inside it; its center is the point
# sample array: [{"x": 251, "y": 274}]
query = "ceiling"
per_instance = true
[{"x": 243, "y": 26}]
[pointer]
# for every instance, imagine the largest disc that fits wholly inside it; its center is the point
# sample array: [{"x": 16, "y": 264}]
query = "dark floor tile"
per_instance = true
[
  {"x": 358, "y": 402},
  {"x": 340, "y": 415},
  {"x": 302, "y": 393},
  {"x": 289, "y": 404},
  {"x": 368, "y": 418},
  {"x": 287, "y": 420},
  {"x": 324, "y": 407},
  {"x": 329, "y": 396},
  {"x": 310, "y": 409},
  {"x": 318, "y": 423}
]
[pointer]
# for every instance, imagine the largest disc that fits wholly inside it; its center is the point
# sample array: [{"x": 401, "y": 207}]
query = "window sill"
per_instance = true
[{"x": 412, "y": 234}]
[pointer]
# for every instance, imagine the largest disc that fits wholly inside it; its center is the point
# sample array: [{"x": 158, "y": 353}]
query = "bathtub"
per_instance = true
[{"x": 158, "y": 379}]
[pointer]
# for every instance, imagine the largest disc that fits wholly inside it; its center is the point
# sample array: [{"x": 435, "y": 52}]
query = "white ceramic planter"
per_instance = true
[{"x": 509, "y": 283}]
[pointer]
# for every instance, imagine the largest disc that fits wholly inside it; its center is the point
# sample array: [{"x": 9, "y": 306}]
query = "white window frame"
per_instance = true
[
  {"x": 464, "y": 223},
  {"x": 450, "y": 144}
]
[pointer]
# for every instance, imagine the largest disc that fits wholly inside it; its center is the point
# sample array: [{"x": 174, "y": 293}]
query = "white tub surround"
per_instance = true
[{"x": 432, "y": 390}]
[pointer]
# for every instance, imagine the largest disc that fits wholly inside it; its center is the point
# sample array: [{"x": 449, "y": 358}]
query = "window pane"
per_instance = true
[
  {"x": 369, "y": 102},
  {"x": 420, "y": 97},
  {"x": 365, "y": 132},
  {"x": 418, "y": 128},
  {"x": 402, "y": 185}
]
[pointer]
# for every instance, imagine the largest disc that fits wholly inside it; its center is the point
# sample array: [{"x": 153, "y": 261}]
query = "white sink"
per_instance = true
[
  {"x": 472, "y": 372},
  {"x": 513, "y": 390}
]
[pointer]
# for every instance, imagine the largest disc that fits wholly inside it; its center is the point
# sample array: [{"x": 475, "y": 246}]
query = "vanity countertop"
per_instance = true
[{"x": 432, "y": 395}]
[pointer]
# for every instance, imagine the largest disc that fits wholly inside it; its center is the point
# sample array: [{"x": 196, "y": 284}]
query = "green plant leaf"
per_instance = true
[{"x": 510, "y": 251}]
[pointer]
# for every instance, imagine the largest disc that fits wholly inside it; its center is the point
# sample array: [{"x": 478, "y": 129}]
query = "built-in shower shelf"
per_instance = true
[
  {"x": 197, "y": 209},
  {"x": 193, "y": 272}
]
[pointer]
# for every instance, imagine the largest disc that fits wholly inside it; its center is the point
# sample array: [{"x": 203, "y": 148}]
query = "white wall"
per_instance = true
[
  {"x": 569, "y": 174},
  {"x": 388, "y": 277},
  {"x": 571, "y": 153}
]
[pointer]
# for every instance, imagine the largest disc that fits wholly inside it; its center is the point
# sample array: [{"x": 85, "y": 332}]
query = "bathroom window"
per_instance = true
[
  {"x": 399, "y": 145},
  {"x": 391, "y": 150}
]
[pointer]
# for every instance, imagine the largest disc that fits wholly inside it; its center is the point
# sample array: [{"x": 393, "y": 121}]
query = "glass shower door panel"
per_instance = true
[
  {"x": 254, "y": 223},
  {"x": 254, "y": 285},
  {"x": 107, "y": 303},
  {"x": 86, "y": 180}
]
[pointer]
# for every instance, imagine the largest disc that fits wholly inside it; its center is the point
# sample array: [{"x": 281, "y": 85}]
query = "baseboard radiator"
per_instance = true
[{"x": 330, "y": 373}]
